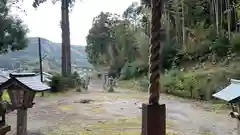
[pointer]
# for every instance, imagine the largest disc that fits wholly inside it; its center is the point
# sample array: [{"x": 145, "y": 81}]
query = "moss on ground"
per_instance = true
[
  {"x": 50, "y": 94},
  {"x": 122, "y": 126},
  {"x": 207, "y": 133},
  {"x": 97, "y": 109},
  {"x": 6, "y": 97},
  {"x": 65, "y": 108}
]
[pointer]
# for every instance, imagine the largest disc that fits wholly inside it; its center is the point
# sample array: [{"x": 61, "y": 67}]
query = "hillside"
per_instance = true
[{"x": 28, "y": 58}]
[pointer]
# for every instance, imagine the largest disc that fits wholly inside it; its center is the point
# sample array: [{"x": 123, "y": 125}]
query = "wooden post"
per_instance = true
[
  {"x": 153, "y": 114},
  {"x": 4, "y": 129},
  {"x": 238, "y": 120},
  {"x": 153, "y": 119},
  {"x": 22, "y": 121},
  {"x": 238, "y": 127}
]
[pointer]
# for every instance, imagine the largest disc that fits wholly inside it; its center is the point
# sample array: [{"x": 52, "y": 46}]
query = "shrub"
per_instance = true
[
  {"x": 59, "y": 83},
  {"x": 221, "y": 46},
  {"x": 131, "y": 70},
  {"x": 198, "y": 84},
  {"x": 235, "y": 42},
  {"x": 142, "y": 84},
  {"x": 56, "y": 83}
]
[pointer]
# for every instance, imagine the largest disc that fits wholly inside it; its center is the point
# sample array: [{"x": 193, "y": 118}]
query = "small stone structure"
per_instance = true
[{"x": 110, "y": 84}]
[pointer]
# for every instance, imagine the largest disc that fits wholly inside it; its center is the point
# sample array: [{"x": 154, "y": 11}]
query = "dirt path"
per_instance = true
[{"x": 65, "y": 115}]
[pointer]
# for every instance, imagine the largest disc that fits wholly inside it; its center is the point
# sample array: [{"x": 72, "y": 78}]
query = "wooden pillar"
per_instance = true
[
  {"x": 153, "y": 114},
  {"x": 153, "y": 119},
  {"x": 4, "y": 129},
  {"x": 22, "y": 122},
  {"x": 238, "y": 119},
  {"x": 238, "y": 127}
]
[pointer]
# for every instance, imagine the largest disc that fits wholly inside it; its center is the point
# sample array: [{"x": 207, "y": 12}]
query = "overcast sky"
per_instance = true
[{"x": 44, "y": 21}]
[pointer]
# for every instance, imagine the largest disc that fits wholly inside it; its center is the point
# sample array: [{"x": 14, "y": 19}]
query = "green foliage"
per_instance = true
[
  {"x": 111, "y": 41},
  {"x": 235, "y": 42},
  {"x": 76, "y": 79},
  {"x": 221, "y": 46},
  {"x": 130, "y": 70},
  {"x": 56, "y": 83},
  {"x": 12, "y": 31},
  {"x": 198, "y": 84},
  {"x": 37, "y": 3},
  {"x": 59, "y": 83},
  {"x": 142, "y": 84},
  {"x": 169, "y": 52},
  {"x": 196, "y": 35}
]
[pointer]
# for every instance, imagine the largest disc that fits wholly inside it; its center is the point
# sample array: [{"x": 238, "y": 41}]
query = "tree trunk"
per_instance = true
[
  {"x": 183, "y": 24},
  {"x": 66, "y": 52},
  {"x": 167, "y": 10},
  {"x": 177, "y": 27},
  {"x": 221, "y": 14},
  {"x": 229, "y": 19},
  {"x": 216, "y": 3}
]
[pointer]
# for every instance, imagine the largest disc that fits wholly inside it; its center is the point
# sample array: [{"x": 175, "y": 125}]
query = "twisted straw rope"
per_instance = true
[{"x": 154, "y": 49}]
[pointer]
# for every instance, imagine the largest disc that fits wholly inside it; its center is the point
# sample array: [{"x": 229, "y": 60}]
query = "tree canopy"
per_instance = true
[
  {"x": 12, "y": 30},
  {"x": 192, "y": 31},
  {"x": 37, "y": 3}
]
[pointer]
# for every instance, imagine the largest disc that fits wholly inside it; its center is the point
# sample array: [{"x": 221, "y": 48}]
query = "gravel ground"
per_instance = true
[{"x": 66, "y": 112}]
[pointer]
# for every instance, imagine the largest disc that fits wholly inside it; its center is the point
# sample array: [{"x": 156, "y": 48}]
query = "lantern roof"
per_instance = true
[
  {"x": 27, "y": 81},
  {"x": 3, "y": 78},
  {"x": 22, "y": 74},
  {"x": 231, "y": 93}
]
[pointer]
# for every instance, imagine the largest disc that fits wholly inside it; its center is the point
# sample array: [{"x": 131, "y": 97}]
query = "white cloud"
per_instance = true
[{"x": 45, "y": 20}]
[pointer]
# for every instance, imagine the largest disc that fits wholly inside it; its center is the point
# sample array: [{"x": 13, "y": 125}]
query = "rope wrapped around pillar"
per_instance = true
[
  {"x": 154, "y": 114},
  {"x": 154, "y": 50}
]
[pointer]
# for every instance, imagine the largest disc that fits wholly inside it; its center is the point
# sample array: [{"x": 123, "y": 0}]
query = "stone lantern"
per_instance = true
[{"x": 110, "y": 81}]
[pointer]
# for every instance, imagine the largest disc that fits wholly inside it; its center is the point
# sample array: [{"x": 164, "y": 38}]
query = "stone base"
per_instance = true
[
  {"x": 4, "y": 129},
  {"x": 153, "y": 119},
  {"x": 110, "y": 89}
]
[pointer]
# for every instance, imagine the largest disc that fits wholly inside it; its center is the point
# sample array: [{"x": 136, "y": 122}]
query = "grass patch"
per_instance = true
[
  {"x": 122, "y": 126},
  {"x": 207, "y": 133},
  {"x": 65, "y": 108},
  {"x": 127, "y": 84},
  {"x": 110, "y": 132},
  {"x": 97, "y": 109},
  {"x": 220, "y": 106},
  {"x": 52, "y": 94},
  {"x": 216, "y": 107},
  {"x": 172, "y": 133},
  {"x": 122, "y": 123}
]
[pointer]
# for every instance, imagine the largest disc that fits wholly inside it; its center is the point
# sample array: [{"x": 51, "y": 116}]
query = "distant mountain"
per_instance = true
[{"x": 52, "y": 51}]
